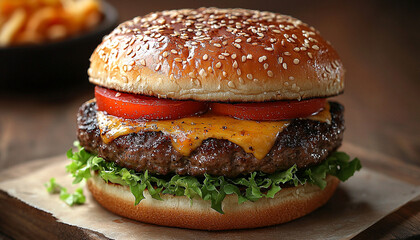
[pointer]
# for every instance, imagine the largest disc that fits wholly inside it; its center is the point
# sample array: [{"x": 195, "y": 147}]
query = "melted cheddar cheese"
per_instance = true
[{"x": 187, "y": 134}]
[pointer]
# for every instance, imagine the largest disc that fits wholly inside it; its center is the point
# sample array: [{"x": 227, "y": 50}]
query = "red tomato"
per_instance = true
[
  {"x": 135, "y": 106},
  {"x": 271, "y": 111}
]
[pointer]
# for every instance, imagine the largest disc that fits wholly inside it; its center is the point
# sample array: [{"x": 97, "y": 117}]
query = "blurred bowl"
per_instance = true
[{"x": 56, "y": 65}]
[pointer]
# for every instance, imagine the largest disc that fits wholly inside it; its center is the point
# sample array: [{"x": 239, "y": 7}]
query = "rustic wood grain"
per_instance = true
[
  {"x": 26, "y": 222},
  {"x": 377, "y": 41}
]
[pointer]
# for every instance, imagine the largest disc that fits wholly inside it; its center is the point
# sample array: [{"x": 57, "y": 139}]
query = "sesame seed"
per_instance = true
[
  {"x": 328, "y": 69},
  {"x": 280, "y": 60},
  {"x": 191, "y": 74},
  {"x": 287, "y": 53},
  {"x": 226, "y": 54},
  {"x": 291, "y": 78},
  {"x": 310, "y": 55},
  {"x": 296, "y": 49},
  {"x": 218, "y": 65},
  {"x": 221, "y": 57},
  {"x": 233, "y": 56},
  {"x": 202, "y": 73},
  {"x": 315, "y": 47},
  {"x": 276, "y": 31},
  {"x": 248, "y": 40},
  {"x": 224, "y": 74},
  {"x": 217, "y": 45},
  {"x": 174, "y": 51},
  {"x": 265, "y": 66},
  {"x": 238, "y": 40},
  {"x": 269, "y": 49},
  {"x": 165, "y": 54},
  {"x": 241, "y": 80},
  {"x": 235, "y": 64},
  {"x": 243, "y": 58},
  {"x": 157, "y": 67},
  {"x": 337, "y": 63},
  {"x": 231, "y": 84},
  {"x": 270, "y": 73},
  {"x": 117, "y": 94},
  {"x": 249, "y": 56},
  {"x": 249, "y": 76},
  {"x": 284, "y": 65},
  {"x": 239, "y": 72},
  {"x": 262, "y": 59},
  {"x": 209, "y": 69},
  {"x": 177, "y": 59},
  {"x": 205, "y": 57},
  {"x": 143, "y": 62},
  {"x": 296, "y": 61},
  {"x": 237, "y": 45}
]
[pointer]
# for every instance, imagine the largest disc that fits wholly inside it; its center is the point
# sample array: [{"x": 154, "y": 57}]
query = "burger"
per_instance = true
[{"x": 213, "y": 119}]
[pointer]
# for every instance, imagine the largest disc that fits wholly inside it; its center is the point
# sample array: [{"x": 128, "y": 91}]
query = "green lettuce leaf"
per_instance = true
[
  {"x": 70, "y": 198},
  {"x": 52, "y": 187},
  {"x": 211, "y": 188}
]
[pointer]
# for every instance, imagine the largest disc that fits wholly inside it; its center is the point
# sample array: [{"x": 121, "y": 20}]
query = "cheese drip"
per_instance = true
[{"x": 187, "y": 134}]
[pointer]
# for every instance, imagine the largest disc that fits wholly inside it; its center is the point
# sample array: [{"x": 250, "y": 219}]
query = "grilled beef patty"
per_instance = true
[{"x": 303, "y": 142}]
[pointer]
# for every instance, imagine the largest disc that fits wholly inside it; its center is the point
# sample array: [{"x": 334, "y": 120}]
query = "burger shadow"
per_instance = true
[{"x": 322, "y": 221}]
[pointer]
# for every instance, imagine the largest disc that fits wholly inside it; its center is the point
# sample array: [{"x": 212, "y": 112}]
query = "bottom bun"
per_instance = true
[{"x": 175, "y": 211}]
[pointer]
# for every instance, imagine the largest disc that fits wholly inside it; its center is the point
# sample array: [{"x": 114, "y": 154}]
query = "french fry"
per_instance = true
[
  {"x": 11, "y": 27},
  {"x": 37, "y": 21}
]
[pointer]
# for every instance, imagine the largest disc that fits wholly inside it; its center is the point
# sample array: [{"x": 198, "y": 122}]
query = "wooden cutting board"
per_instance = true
[{"x": 22, "y": 221}]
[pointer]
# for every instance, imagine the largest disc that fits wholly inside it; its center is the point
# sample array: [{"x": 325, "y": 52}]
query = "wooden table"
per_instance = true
[{"x": 377, "y": 42}]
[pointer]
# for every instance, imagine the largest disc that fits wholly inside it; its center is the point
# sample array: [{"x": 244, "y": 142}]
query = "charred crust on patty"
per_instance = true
[{"x": 303, "y": 142}]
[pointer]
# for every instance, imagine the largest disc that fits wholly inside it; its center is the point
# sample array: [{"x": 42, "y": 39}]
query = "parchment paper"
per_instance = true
[{"x": 357, "y": 204}]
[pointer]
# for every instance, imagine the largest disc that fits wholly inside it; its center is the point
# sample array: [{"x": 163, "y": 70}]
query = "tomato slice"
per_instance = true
[
  {"x": 135, "y": 106},
  {"x": 270, "y": 111}
]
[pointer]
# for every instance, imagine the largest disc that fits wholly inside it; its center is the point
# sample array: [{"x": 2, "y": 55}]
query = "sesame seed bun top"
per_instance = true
[{"x": 215, "y": 54}]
